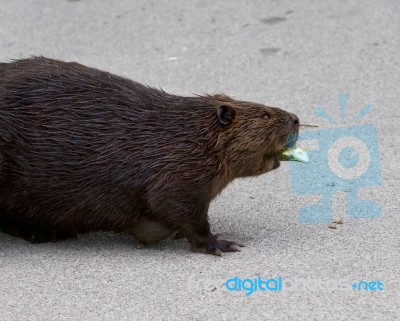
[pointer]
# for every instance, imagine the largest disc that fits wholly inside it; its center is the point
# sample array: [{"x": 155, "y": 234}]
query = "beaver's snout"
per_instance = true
[
  {"x": 295, "y": 121},
  {"x": 294, "y": 125}
]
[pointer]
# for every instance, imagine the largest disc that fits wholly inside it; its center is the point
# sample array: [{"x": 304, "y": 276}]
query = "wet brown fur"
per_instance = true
[{"x": 83, "y": 150}]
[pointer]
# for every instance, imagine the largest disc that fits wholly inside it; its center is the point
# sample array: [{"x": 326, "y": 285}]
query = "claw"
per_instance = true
[
  {"x": 236, "y": 248},
  {"x": 216, "y": 246}
]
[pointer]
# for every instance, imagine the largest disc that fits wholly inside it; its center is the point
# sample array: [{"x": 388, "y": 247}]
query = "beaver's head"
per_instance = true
[{"x": 253, "y": 134}]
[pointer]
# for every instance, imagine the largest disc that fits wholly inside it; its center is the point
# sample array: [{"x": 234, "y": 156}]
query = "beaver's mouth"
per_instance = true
[
  {"x": 288, "y": 141},
  {"x": 291, "y": 140}
]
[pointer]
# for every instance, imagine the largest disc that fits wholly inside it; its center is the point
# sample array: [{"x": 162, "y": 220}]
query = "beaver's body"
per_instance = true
[{"x": 81, "y": 150}]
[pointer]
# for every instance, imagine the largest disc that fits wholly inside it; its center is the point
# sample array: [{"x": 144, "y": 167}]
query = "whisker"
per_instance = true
[{"x": 308, "y": 125}]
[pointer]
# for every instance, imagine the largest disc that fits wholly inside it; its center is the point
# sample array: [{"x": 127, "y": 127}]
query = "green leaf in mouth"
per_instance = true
[{"x": 293, "y": 154}]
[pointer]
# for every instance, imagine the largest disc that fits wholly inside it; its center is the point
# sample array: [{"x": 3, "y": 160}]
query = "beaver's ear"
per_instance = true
[{"x": 226, "y": 114}]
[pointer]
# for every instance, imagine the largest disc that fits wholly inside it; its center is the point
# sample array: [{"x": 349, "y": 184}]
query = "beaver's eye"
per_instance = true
[{"x": 265, "y": 116}]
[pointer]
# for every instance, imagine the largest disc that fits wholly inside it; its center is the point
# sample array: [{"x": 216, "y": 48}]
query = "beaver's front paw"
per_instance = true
[{"x": 216, "y": 247}]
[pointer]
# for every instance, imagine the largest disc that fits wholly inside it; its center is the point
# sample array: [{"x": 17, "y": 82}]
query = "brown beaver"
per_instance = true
[{"x": 83, "y": 150}]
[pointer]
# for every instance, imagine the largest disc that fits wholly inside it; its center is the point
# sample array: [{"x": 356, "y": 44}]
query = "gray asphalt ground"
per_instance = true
[{"x": 292, "y": 54}]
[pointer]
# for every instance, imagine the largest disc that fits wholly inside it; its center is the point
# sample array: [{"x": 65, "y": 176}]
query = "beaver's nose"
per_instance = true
[{"x": 295, "y": 120}]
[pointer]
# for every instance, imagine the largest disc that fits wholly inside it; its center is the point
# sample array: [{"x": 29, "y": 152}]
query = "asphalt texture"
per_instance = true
[{"x": 293, "y": 54}]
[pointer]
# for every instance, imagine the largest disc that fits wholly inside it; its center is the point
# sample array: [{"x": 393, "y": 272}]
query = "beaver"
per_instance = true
[{"x": 84, "y": 150}]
